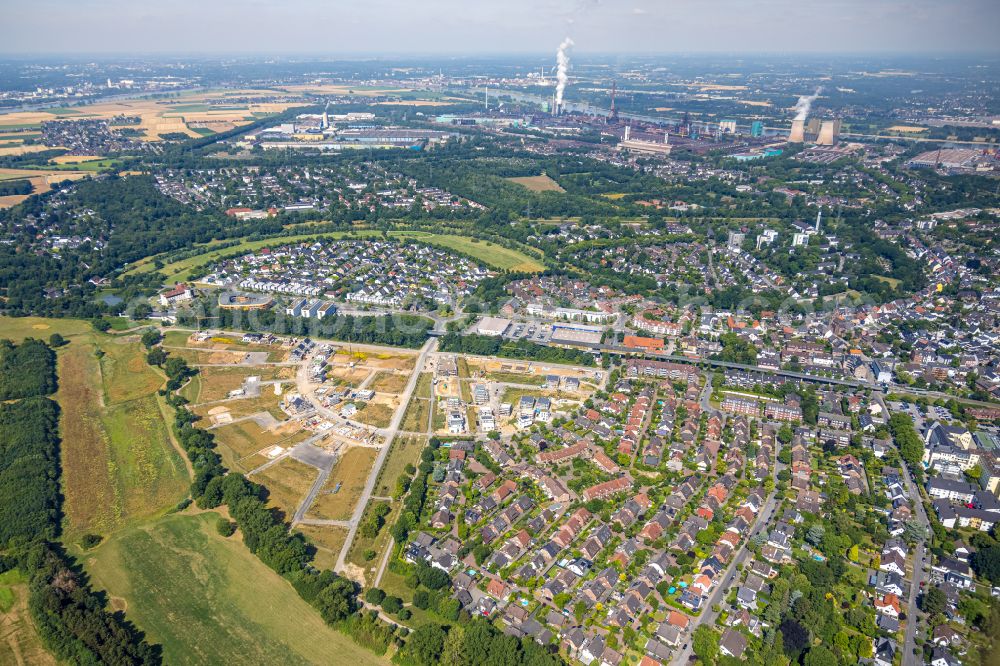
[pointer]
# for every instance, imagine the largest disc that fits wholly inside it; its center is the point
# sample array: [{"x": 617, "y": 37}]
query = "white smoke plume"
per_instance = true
[
  {"x": 804, "y": 104},
  {"x": 562, "y": 70}
]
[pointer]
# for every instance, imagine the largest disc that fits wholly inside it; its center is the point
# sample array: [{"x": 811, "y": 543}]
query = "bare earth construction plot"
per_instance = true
[{"x": 343, "y": 489}]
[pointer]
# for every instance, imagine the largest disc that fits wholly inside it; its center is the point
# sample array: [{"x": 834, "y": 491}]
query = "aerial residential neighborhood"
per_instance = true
[{"x": 563, "y": 333}]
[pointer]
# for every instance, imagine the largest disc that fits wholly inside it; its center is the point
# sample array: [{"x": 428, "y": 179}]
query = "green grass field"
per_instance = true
[
  {"x": 90, "y": 165},
  {"x": 19, "y": 126},
  {"x": 63, "y": 111},
  {"x": 491, "y": 254},
  {"x": 118, "y": 461},
  {"x": 208, "y": 600},
  {"x": 19, "y": 328}
]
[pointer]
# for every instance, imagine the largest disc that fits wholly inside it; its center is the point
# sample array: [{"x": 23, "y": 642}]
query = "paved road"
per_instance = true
[
  {"x": 392, "y": 542},
  {"x": 726, "y": 581},
  {"x": 314, "y": 490},
  {"x": 919, "y": 574},
  {"x": 706, "y": 395},
  {"x": 390, "y": 434}
]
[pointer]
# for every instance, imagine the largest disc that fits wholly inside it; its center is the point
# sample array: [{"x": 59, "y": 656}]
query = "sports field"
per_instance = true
[
  {"x": 209, "y": 600},
  {"x": 489, "y": 253}
]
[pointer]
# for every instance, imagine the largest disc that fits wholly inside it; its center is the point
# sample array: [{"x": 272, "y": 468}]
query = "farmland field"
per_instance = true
[
  {"x": 351, "y": 471},
  {"x": 156, "y": 116},
  {"x": 118, "y": 462},
  {"x": 540, "y": 183},
  {"x": 206, "y": 599},
  {"x": 41, "y": 181}
]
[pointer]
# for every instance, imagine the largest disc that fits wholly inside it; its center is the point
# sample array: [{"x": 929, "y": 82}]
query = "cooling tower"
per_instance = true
[
  {"x": 829, "y": 133},
  {"x": 798, "y": 133}
]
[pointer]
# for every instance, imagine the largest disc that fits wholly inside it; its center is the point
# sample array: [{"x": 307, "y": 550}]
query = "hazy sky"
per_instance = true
[{"x": 497, "y": 26}]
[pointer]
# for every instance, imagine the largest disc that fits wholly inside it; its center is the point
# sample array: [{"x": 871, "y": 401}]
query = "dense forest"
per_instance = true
[
  {"x": 119, "y": 221},
  {"x": 29, "y": 469},
  {"x": 9, "y": 187},
  {"x": 28, "y": 369}
]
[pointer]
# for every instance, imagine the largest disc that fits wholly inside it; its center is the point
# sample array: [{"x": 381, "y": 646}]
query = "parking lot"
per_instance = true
[{"x": 531, "y": 331}]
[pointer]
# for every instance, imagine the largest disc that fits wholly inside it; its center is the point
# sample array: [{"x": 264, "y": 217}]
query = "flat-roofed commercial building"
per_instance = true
[
  {"x": 495, "y": 326},
  {"x": 577, "y": 334}
]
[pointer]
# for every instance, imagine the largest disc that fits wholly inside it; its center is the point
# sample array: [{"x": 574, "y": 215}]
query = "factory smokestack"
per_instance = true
[{"x": 562, "y": 72}]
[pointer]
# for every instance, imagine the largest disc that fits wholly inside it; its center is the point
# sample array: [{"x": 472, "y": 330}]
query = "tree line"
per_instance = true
[
  {"x": 69, "y": 616},
  {"x": 488, "y": 345}
]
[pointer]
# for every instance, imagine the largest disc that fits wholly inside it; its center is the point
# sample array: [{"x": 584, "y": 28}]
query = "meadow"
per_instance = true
[
  {"x": 119, "y": 464},
  {"x": 542, "y": 183},
  {"x": 405, "y": 450},
  {"x": 19, "y": 328},
  {"x": 327, "y": 539},
  {"x": 208, "y": 599}
]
